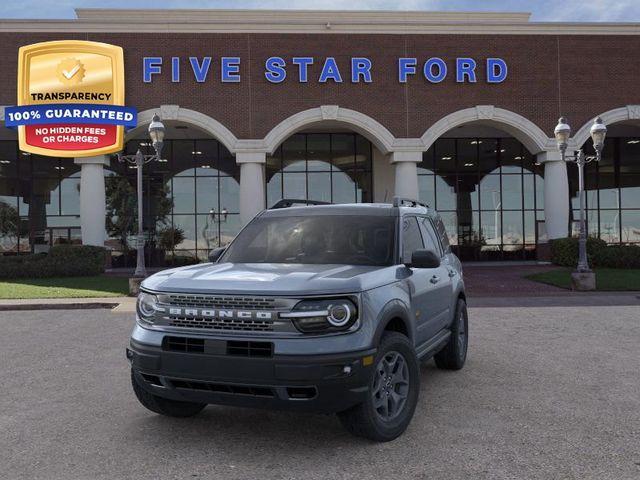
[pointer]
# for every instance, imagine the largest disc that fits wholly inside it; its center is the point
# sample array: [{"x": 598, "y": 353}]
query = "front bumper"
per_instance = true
[{"x": 311, "y": 383}]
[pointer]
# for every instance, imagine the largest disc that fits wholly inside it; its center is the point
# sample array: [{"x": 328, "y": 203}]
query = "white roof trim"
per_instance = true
[
  {"x": 286, "y": 16},
  {"x": 311, "y": 21}
]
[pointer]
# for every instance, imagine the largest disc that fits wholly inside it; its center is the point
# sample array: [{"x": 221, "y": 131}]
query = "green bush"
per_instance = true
[
  {"x": 564, "y": 252},
  {"x": 618, "y": 256},
  {"x": 180, "y": 260},
  {"x": 61, "y": 261}
]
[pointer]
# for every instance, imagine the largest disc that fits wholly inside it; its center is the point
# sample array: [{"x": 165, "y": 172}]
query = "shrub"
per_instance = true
[
  {"x": 564, "y": 252},
  {"x": 180, "y": 260},
  {"x": 61, "y": 261},
  {"x": 169, "y": 237},
  {"x": 618, "y": 256}
]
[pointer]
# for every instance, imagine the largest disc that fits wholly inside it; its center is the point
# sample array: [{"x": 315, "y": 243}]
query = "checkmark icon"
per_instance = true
[{"x": 71, "y": 73}]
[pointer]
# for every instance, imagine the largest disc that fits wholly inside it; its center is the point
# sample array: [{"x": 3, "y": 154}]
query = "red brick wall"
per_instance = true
[{"x": 578, "y": 76}]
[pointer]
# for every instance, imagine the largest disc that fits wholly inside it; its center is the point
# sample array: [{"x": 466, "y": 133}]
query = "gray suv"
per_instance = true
[{"x": 317, "y": 308}]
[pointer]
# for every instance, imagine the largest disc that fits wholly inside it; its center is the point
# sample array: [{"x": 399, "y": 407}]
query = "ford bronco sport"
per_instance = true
[{"x": 320, "y": 308}]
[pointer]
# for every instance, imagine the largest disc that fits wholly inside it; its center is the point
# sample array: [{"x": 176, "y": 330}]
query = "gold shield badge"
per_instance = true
[{"x": 73, "y": 90}]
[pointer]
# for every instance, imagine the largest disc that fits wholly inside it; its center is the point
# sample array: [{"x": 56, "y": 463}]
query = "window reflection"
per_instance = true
[
  {"x": 489, "y": 191},
  {"x": 612, "y": 191},
  {"x": 328, "y": 167},
  {"x": 199, "y": 181}
]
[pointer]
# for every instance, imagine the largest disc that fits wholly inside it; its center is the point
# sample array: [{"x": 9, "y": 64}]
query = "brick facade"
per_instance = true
[{"x": 575, "y": 75}]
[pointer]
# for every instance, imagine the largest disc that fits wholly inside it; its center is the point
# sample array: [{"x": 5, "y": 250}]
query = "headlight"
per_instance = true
[
  {"x": 328, "y": 315},
  {"x": 146, "y": 306}
]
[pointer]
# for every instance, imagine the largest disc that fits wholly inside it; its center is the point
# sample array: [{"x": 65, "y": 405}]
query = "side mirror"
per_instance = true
[
  {"x": 216, "y": 253},
  {"x": 424, "y": 259}
]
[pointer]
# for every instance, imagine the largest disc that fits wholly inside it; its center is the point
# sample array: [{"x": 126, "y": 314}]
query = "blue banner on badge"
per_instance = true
[{"x": 71, "y": 113}]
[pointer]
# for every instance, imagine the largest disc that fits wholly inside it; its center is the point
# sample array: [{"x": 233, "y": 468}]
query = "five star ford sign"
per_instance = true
[{"x": 70, "y": 99}]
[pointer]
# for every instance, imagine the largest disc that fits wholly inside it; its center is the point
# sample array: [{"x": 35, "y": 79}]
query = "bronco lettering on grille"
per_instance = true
[{"x": 209, "y": 313}]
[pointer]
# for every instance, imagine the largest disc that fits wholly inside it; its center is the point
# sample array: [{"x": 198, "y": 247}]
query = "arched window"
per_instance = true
[
  {"x": 194, "y": 191},
  {"x": 488, "y": 192},
  {"x": 612, "y": 189},
  {"x": 329, "y": 167}
]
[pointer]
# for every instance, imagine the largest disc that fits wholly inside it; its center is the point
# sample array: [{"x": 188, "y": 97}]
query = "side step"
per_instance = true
[{"x": 432, "y": 346}]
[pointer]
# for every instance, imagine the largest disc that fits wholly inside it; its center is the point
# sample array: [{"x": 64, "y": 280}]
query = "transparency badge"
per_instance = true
[{"x": 70, "y": 99}]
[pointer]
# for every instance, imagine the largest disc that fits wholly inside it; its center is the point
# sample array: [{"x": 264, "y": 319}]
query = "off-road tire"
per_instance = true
[
  {"x": 363, "y": 420},
  {"x": 454, "y": 354},
  {"x": 163, "y": 406}
]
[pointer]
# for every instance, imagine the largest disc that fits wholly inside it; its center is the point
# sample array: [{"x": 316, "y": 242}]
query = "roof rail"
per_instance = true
[
  {"x": 400, "y": 201},
  {"x": 292, "y": 202}
]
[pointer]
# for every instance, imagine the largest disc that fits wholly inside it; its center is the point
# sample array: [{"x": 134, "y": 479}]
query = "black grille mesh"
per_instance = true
[
  {"x": 258, "y": 303},
  {"x": 235, "y": 324}
]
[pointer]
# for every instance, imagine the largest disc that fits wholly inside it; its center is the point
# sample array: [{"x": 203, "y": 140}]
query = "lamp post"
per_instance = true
[
  {"x": 156, "y": 133},
  {"x": 562, "y": 133}
]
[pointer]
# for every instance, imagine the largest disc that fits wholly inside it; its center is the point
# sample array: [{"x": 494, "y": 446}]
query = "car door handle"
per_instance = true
[{"x": 435, "y": 279}]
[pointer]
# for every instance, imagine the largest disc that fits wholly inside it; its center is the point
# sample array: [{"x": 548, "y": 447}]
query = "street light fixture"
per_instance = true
[
  {"x": 562, "y": 133},
  {"x": 156, "y": 133}
]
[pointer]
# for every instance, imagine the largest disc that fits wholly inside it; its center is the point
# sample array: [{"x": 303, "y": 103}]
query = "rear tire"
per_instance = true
[
  {"x": 393, "y": 395},
  {"x": 454, "y": 354},
  {"x": 164, "y": 406}
]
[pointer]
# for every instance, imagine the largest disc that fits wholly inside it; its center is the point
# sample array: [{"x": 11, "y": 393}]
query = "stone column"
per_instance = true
[
  {"x": 406, "y": 169},
  {"x": 92, "y": 199},
  {"x": 556, "y": 194},
  {"x": 252, "y": 188}
]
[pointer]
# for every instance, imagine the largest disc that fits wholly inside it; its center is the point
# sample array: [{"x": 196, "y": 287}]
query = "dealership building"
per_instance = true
[{"x": 456, "y": 109}]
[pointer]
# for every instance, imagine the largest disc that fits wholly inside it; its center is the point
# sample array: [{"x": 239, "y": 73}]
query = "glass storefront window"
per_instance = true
[
  {"x": 445, "y": 195},
  {"x": 328, "y": 167},
  {"x": 490, "y": 193},
  {"x": 512, "y": 192},
  {"x": 498, "y": 195},
  {"x": 630, "y": 190},
  {"x": 630, "y": 225},
  {"x": 195, "y": 188},
  {"x": 319, "y": 150},
  {"x": 612, "y": 191},
  {"x": 207, "y": 194}
]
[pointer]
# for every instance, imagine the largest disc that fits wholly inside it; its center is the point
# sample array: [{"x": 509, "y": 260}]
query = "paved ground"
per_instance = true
[
  {"x": 483, "y": 280},
  {"x": 547, "y": 393}
]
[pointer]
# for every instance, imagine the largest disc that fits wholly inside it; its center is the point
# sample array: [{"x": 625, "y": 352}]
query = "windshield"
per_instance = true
[{"x": 322, "y": 239}]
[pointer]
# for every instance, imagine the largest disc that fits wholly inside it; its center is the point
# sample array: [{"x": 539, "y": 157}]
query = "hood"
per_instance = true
[{"x": 270, "y": 279}]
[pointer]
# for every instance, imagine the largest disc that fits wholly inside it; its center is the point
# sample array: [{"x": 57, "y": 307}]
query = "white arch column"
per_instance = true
[
  {"x": 252, "y": 188},
  {"x": 556, "y": 194},
  {"x": 93, "y": 209},
  {"x": 406, "y": 172}
]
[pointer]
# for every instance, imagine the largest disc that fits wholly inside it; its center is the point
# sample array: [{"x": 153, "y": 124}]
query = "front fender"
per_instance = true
[{"x": 392, "y": 310}]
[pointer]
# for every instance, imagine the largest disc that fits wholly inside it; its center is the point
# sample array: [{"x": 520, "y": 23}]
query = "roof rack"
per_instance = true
[
  {"x": 401, "y": 201},
  {"x": 292, "y": 202}
]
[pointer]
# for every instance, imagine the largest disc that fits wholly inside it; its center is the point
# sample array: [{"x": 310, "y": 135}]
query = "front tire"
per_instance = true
[
  {"x": 454, "y": 354},
  {"x": 164, "y": 406},
  {"x": 393, "y": 392}
]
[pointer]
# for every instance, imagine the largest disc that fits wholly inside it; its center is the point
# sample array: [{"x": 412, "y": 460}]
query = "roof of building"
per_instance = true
[{"x": 310, "y": 21}]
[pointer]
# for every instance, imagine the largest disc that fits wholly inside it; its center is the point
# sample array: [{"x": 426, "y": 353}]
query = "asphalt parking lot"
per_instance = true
[{"x": 550, "y": 392}]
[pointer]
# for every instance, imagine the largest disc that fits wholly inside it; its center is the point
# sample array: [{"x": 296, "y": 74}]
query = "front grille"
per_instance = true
[
  {"x": 211, "y": 301},
  {"x": 184, "y": 344},
  {"x": 250, "y": 349},
  {"x": 235, "y": 324},
  {"x": 252, "y": 390},
  {"x": 238, "y": 348}
]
